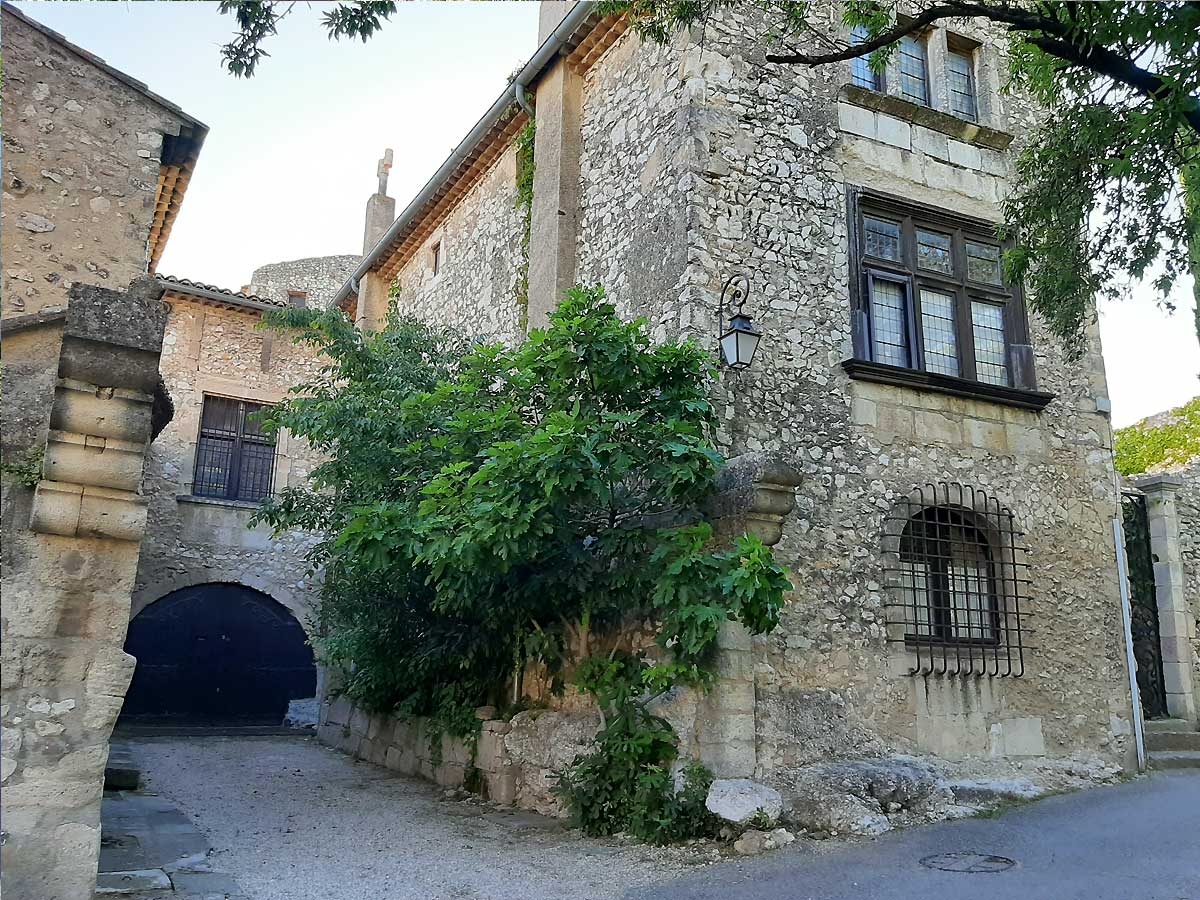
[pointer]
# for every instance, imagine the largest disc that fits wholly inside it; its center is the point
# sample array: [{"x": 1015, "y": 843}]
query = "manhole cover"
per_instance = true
[{"x": 968, "y": 861}]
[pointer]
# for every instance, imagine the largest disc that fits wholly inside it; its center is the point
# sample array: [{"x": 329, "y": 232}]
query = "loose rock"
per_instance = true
[{"x": 739, "y": 800}]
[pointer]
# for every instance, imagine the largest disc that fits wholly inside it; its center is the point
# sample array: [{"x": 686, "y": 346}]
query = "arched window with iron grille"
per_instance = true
[{"x": 956, "y": 578}]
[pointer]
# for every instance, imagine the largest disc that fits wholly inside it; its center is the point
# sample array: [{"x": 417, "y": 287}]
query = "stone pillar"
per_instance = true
[
  {"x": 1175, "y": 620},
  {"x": 373, "y": 302},
  {"x": 68, "y": 575},
  {"x": 755, "y": 492},
  {"x": 381, "y": 209},
  {"x": 555, "y": 214}
]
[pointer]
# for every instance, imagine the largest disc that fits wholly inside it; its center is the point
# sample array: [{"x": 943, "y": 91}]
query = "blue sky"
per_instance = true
[{"x": 290, "y": 157}]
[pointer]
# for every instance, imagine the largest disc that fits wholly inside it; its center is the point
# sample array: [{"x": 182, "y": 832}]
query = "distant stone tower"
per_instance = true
[{"x": 310, "y": 282}]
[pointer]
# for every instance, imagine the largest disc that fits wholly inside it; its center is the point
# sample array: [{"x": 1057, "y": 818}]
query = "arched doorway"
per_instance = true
[{"x": 216, "y": 654}]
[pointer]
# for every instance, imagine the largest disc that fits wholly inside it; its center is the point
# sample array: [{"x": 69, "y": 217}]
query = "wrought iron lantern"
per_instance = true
[{"x": 739, "y": 338}]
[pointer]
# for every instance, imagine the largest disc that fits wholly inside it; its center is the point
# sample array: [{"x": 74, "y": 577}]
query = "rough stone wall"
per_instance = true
[
  {"x": 81, "y": 166},
  {"x": 637, "y": 132},
  {"x": 477, "y": 286},
  {"x": 70, "y": 555},
  {"x": 214, "y": 349},
  {"x": 771, "y": 201},
  {"x": 1187, "y": 505},
  {"x": 318, "y": 276}
]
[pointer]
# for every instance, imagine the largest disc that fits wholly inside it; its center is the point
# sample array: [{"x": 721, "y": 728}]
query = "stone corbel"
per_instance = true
[
  {"x": 75, "y": 510},
  {"x": 755, "y": 492}
]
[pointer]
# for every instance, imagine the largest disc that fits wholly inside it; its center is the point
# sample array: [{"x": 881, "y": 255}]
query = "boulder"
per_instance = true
[
  {"x": 738, "y": 800},
  {"x": 753, "y": 842},
  {"x": 856, "y": 797}
]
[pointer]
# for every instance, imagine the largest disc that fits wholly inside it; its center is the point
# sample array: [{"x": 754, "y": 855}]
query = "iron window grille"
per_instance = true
[
  {"x": 960, "y": 71},
  {"x": 956, "y": 576},
  {"x": 930, "y": 294},
  {"x": 235, "y": 459},
  {"x": 860, "y": 66}
]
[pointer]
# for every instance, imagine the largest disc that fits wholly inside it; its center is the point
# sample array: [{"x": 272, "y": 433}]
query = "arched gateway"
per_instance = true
[{"x": 216, "y": 654}]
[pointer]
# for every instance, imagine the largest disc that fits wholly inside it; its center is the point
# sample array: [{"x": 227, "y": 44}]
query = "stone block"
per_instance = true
[
  {"x": 1017, "y": 737},
  {"x": 113, "y": 413},
  {"x": 856, "y": 120},
  {"x": 933, "y": 426},
  {"x": 892, "y": 131},
  {"x": 931, "y": 143},
  {"x": 991, "y": 436},
  {"x": 490, "y": 753},
  {"x": 966, "y": 155},
  {"x": 360, "y": 722},
  {"x": 450, "y": 775},
  {"x": 99, "y": 462},
  {"x": 1023, "y": 440},
  {"x": 863, "y": 411},
  {"x": 501, "y": 787},
  {"x": 340, "y": 710}
]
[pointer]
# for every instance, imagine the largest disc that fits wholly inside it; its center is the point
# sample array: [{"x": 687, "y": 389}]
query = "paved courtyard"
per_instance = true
[{"x": 291, "y": 820}]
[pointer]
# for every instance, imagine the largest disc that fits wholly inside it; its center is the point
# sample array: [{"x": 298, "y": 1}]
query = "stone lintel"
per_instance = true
[{"x": 1160, "y": 482}]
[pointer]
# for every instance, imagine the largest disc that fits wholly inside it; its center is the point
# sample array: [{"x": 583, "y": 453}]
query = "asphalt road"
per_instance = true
[{"x": 1136, "y": 841}]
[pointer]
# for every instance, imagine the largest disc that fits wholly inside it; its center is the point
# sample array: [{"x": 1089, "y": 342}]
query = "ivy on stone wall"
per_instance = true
[
  {"x": 524, "y": 201},
  {"x": 1164, "y": 441}
]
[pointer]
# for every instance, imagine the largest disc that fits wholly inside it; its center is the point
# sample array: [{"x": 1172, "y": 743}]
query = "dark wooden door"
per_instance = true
[{"x": 216, "y": 654}]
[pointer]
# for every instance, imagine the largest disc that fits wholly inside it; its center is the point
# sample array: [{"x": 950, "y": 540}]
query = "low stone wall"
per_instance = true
[{"x": 514, "y": 762}]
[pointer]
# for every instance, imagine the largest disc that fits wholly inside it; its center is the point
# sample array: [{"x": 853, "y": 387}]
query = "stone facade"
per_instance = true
[
  {"x": 317, "y": 278},
  {"x": 84, "y": 154},
  {"x": 215, "y": 347},
  {"x": 95, "y": 169},
  {"x": 475, "y": 288},
  {"x": 699, "y": 160},
  {"x": 70, "y": 555}
]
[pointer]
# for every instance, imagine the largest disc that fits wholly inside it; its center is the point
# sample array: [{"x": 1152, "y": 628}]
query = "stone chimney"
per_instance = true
[{"x": 381, "y": 209}]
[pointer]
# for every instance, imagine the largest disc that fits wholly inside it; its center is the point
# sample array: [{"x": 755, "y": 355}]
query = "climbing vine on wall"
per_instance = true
[
  {"x": 524, "y": 201},
  {"x": 492, "y": 504}
]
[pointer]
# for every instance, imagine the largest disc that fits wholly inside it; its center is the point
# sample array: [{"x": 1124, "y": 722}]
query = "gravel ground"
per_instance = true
[{"x": 292, "y": 820}]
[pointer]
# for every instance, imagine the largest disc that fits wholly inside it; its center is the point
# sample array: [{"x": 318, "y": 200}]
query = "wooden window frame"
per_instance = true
[{"x": 1022, "y": 387}]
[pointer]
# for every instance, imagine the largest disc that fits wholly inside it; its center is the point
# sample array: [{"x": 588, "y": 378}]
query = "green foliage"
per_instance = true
[
  {"x": 26, "y": 470},
  {"x": 1173, "y": 441},
  {"x": 489, "y": 505},
  {"x": 524, "y": 201},
  {"x": 626, "y": 784},
  {"x": 258, "y": 20}
]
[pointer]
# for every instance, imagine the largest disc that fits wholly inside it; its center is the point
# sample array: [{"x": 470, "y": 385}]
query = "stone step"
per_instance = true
[
  {"x": 1173, "y": 740},
  {"x": 1174, "y": 759},
  {"x": 1155, "y": 725}
]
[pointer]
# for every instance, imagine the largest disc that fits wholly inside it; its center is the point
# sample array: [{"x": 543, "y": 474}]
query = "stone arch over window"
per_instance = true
[{"x": 957, "y": 583}]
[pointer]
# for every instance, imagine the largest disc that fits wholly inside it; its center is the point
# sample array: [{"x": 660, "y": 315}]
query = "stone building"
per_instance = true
[
  {"x": 95, "y": 170},
  {"x": 952, "y": 548},
  {"x": 205, "y": 577}
]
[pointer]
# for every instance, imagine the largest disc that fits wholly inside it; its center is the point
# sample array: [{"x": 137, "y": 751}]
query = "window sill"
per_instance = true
[
  {"x": 935, "y": 120},
  {"x": 216, "y": 501},
  {"x": 879, "y": 373}
]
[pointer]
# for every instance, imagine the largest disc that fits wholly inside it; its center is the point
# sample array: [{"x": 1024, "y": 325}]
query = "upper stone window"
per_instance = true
[
  {"x": 235, "y": 458},
  {"x": 913, "y": 65},
  {"x": 860, "y": 67},
  {"x": 960, "y": 77},
  {"x": 932, "y": 297},
  {"x": 298, "y": 299}
]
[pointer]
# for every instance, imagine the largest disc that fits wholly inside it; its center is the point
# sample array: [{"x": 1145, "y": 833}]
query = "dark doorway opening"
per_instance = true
[
  {"x": 216, "y": 655},
  {"x": 1143, "y": 607}
]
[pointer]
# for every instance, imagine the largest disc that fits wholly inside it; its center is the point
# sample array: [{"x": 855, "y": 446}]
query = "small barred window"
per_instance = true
[{"x": 956, "y": 580}]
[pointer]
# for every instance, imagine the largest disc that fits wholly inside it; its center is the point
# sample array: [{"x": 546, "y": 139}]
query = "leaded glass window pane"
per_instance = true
[
  {"x": 961, "y": 72},
  {"x": 937, "y": 330},
  {"x": 860, "y": 66},
  {"x": 983, "y": 263},
  {"x": 889, "y": 330},
  {"x": 881, "y": 238},
  {"x": 933, "y": 252},
  {"x": 991, "y": 352},
  {"x": 913, "y": 70}
]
